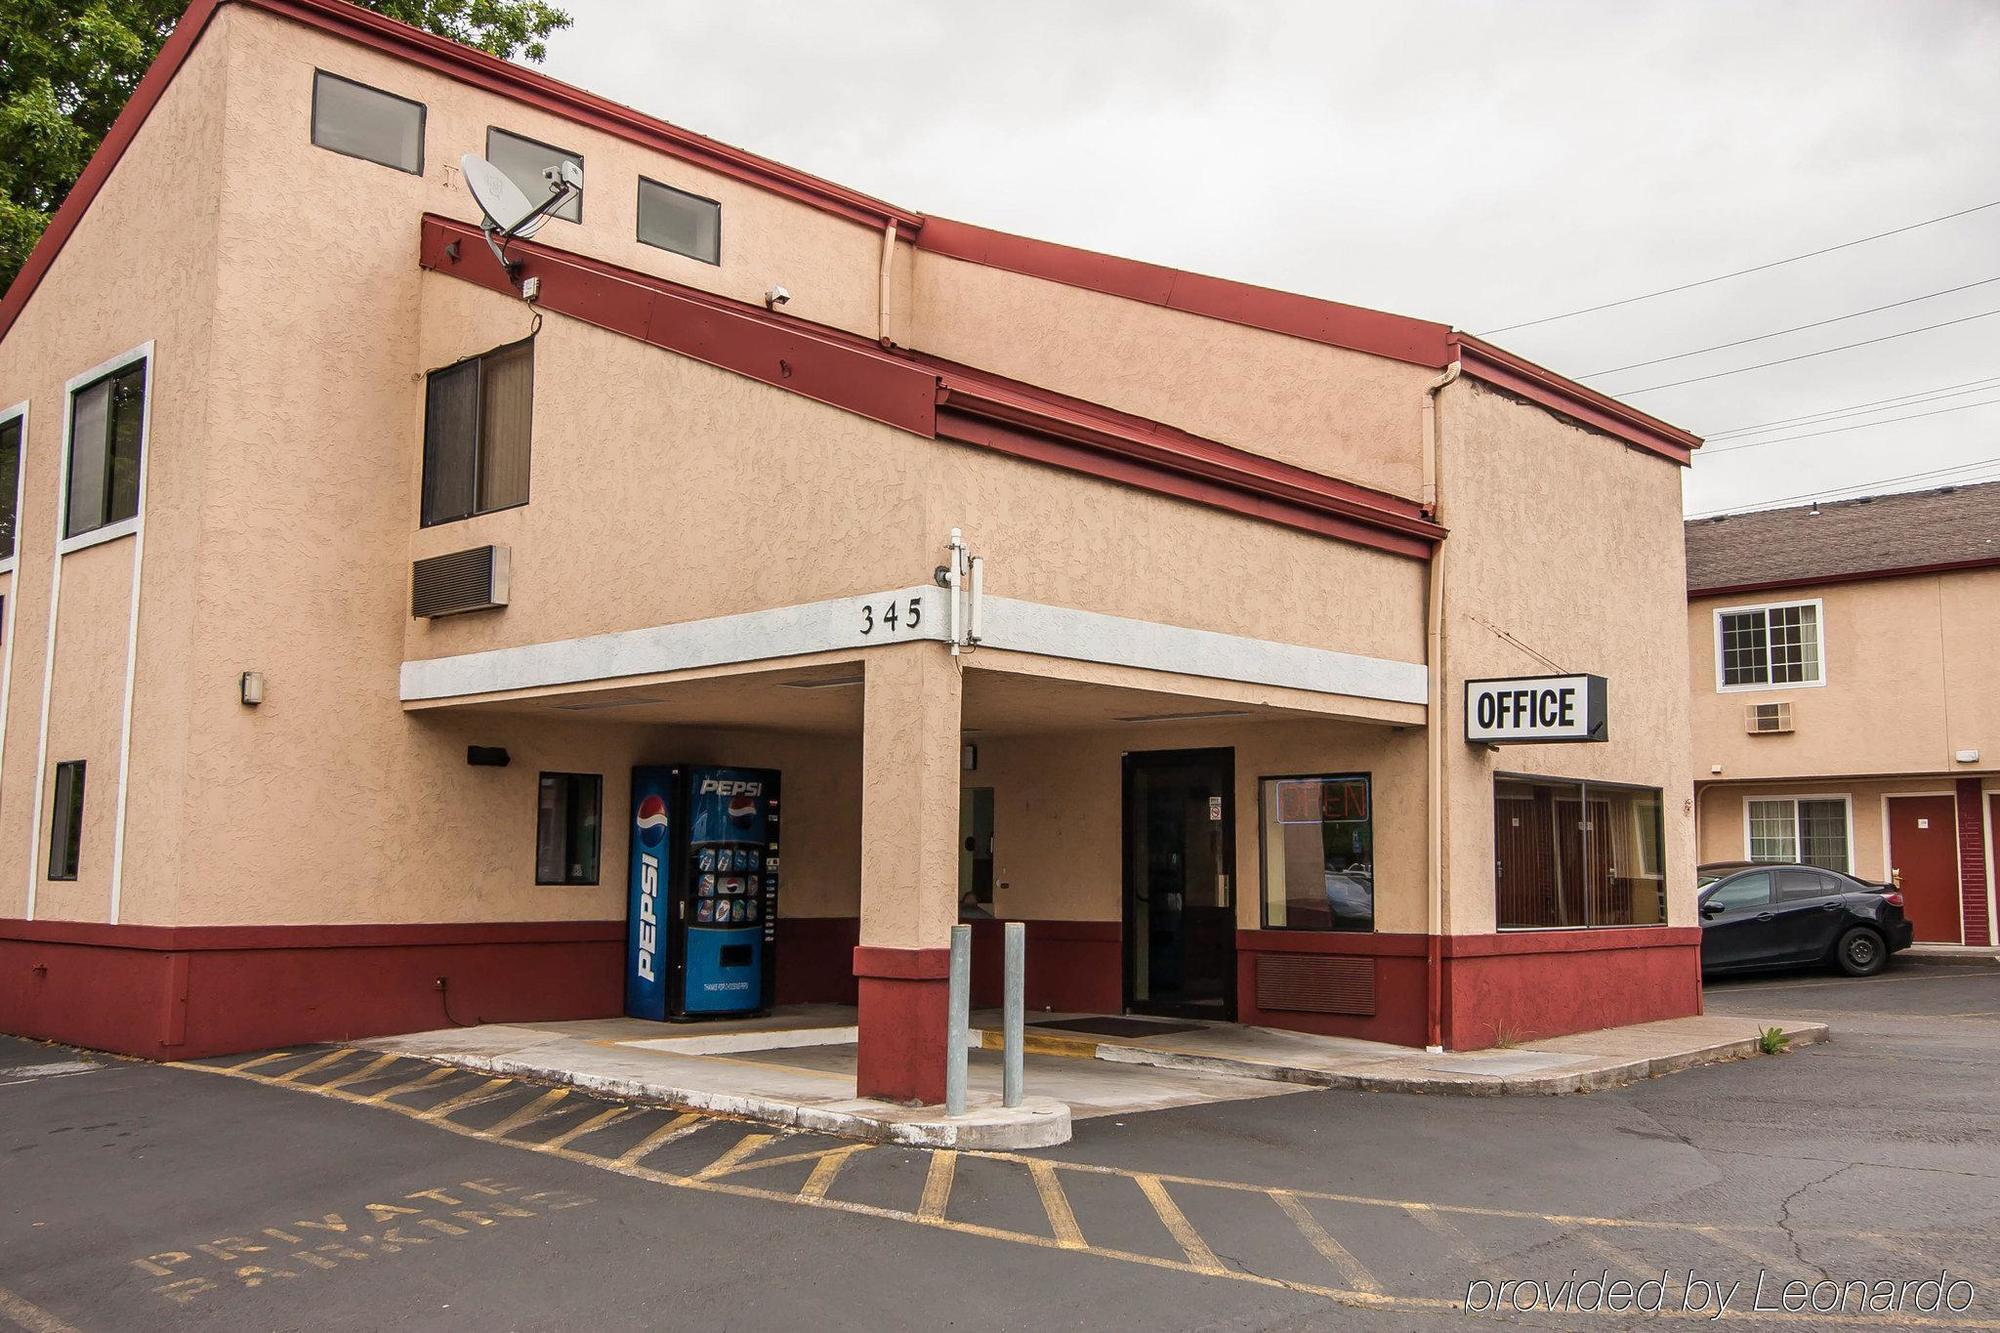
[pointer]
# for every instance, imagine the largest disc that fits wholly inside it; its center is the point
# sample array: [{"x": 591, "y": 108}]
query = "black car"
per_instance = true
[{"x": 1756, "y": 918}]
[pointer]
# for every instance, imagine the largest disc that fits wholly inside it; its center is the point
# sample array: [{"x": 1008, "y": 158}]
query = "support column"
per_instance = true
[{"x": 909, "y": 869}]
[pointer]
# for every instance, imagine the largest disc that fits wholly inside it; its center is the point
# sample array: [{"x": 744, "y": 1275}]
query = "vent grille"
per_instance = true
[
  {"x": 1300, "y": 983},
  {"x": 474, "y": 580},
  {"x": 1767, "y": 719}
]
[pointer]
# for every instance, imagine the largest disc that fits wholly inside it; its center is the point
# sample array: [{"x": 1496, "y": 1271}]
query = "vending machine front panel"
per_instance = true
[
  {"x": 649, "y": 935},
  {"x": 730, "y": 831}
]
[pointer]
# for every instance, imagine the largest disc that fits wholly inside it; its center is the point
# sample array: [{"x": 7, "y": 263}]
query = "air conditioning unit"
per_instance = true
[
  {"x": 1767, "y": 719},
  {"x": 472, "y": 580}
]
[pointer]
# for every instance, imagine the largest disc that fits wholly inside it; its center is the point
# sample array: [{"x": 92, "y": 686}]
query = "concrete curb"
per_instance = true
[
  {"x": 1614, "y": 1073},
  {"x": 1953, "y": 957},
  {"x": 1040, "y": 1122}
]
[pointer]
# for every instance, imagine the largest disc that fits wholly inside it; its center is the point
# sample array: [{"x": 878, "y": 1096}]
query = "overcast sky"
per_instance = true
[{"x": 1480, "y": 164}]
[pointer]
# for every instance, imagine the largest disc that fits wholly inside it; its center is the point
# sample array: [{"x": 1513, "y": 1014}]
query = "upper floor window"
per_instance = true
[
  {"x": 477, "y": 419},
  {"x": 106, "y": 434},
  {"x": 675, "y": 220},
  {"x": 10, "y": 485},
  {"x": 364, "y": 122},
  {"x": 1757, "y": 647},
  {"x": 522, "y": 160}
]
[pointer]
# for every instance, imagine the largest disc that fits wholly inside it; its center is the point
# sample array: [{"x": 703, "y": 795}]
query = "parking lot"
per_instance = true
[{"x": 330, "y": 1188}]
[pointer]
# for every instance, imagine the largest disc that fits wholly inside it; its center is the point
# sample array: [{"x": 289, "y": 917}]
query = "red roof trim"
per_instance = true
[
  {"x": 1517, "y": 375},
  {"x": 1354, "y": 327},
  {"x": 1851, "y": 576},
  {"x": 901, "y": 390}
]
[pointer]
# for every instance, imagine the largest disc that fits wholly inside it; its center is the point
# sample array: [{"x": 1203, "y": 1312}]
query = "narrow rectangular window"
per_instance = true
[
  {"x": 522, "y": 160},
  {"x": 1319, "y": 852},
  {"x": 10, "y": 484},
  {"x": 567, "y": 823},
  {"x": 675, "y": 220},
  {"x": 1774, "y": 836},
  {"x": 364, "y": 122},
  {"x": 66, "y": 822},
  {"x": 478, "y": 423},
  {"x": 105, "y": 439}
]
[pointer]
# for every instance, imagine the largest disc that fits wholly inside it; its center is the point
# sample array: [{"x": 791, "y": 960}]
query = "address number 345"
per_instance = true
[{"x": 893, "y": 618}]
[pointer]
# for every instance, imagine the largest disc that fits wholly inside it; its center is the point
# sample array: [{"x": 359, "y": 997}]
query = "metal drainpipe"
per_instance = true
[
  {"x": 888, "y": 270},
  {"x": 1434, "y": 731}
]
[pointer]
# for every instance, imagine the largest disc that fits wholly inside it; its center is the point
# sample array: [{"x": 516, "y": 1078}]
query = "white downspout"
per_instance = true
[
  {"x": 1434, "y": 729},
  {"x": 887, "y": 277}
]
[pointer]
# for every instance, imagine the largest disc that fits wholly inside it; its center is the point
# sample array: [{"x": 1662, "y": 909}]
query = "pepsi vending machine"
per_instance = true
[{"x": 701, "y": 925}]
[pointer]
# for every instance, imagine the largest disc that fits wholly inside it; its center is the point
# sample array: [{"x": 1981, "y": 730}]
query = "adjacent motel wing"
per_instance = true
[{"x": 374, "y": 604}]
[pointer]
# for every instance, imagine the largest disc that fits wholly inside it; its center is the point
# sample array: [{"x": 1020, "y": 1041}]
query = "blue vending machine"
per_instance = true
[{"x": 701, "y": 919}]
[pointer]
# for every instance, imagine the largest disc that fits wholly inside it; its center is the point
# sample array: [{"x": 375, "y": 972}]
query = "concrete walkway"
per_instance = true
[{"x": 795, "y": 1068}]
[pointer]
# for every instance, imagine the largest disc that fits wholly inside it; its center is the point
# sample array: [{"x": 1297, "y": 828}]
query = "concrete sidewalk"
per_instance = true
[{"x": 795, "y": 1068}]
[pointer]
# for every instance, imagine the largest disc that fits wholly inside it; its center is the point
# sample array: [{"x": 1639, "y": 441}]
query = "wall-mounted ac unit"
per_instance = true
[
  {"x": 474, "y": 580},
  {"x": 1768, "y": 719}
]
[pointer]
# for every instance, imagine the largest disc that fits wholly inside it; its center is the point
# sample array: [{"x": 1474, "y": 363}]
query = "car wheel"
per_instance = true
[{"x": 1861, "y": 952}]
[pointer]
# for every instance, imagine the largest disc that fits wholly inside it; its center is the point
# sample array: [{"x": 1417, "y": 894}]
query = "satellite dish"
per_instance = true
[{"x": 508, "y": 212}]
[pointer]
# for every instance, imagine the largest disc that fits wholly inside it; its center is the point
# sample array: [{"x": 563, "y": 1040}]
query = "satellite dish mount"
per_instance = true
[{"x": 506, "y": 210}]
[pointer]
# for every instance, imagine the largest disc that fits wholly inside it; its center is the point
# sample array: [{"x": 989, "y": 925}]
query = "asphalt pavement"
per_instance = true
[{"x": 334, "y": 1188}]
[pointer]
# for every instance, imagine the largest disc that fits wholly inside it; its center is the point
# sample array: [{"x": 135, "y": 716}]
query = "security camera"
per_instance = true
[{"x": 776, "y": 297}]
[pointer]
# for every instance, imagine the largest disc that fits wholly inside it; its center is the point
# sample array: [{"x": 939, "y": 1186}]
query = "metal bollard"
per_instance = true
[
  {"x": 1012, "y": 1018},
  {"x": 958, "y": 1022}
]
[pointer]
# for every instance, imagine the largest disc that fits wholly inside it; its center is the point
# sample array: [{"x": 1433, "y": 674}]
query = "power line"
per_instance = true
[
  {"x": 1723, "y": 277},
  {"x": 1861, "y": 486},
  {"x": 1796, "y": 328},
  {"x": 1841, "y": 430},
  {"x": 1807, "y": 356},
  {"x": 1832, "y": 413}
]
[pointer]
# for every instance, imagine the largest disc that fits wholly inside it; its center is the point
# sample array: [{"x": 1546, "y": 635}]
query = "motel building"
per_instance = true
[
  {"x": 1845, "y": 711},
  {"x": 353, "y": 573}
]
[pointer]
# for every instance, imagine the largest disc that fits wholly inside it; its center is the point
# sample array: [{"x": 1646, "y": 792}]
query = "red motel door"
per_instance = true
[{"x": 1923, "y": 845}]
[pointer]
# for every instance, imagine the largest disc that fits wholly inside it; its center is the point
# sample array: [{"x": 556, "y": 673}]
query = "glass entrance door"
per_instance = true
[{"x": 1180, "y": 905}]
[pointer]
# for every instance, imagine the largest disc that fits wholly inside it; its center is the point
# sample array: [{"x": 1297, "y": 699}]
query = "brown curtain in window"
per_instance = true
[
  {"x": 451, "y": 437},
  {"x": 507, "y": 408}
]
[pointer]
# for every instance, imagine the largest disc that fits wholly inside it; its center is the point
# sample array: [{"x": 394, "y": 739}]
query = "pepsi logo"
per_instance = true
[
  {"x": 651, "y": 820},
  {"x": 742, "y": 808}
]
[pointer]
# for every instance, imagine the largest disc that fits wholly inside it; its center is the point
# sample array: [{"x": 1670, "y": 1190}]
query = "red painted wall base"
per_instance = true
[{"x": 903, "y": 1017}]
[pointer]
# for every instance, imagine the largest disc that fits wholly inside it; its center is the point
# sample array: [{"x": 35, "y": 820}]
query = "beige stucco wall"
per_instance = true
[
  {"x": 1724, "y": 835},
  {"x": 139, "y": 267},
  {"x": 1567, "y": 544},
  {"x": 1908, "y": 671}
]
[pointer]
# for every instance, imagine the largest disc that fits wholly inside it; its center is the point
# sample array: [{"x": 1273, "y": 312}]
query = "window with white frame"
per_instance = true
[
  {"x": 106, "y": 433},
  {"x": 1799, "y": 831},
  {"x": 1759, "y": 646},
  {"x": 10, "y": 484}
]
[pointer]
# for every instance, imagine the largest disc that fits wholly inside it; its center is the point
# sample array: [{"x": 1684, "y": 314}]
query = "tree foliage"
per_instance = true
[{"x": 68, "y": 66}]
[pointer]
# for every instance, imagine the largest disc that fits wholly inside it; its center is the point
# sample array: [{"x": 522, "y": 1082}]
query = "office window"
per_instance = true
[
  {"x": 1769, "y": 645},
  {"x": 478, "y": 416},
  {"x": 1319, "y": 852},
  {"x": 1569, "y": 854},
  {"x": 1806, "y": 832},
  {"x": 566, "y": 828},
  {"x": 10, "y": 484},
  {"x": 105, "y": 427},
  {"x": 66, "y": 820},
  {"x": 364, "y": 122},
  {"x": 523, "y": 160},
  {"x": 675, "y": 220}
]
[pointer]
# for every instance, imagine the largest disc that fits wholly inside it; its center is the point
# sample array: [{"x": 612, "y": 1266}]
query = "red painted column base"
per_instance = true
[{"x": 904, "y": 1001}]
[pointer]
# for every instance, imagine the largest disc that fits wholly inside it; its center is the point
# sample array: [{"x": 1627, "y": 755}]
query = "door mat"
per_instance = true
[{"x": 1117, "y": 1027}]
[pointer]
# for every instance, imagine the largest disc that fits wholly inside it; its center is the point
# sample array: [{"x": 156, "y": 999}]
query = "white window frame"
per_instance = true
[
  {"x": 1846, "y": 800},
  {"x": 124, "y": 527},
  {"x": 1819, "y": 625},
  {"x": 18, "y": 412}
]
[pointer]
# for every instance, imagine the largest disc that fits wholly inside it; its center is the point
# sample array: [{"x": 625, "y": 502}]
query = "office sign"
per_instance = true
[{"x": 1534, "y": 710}]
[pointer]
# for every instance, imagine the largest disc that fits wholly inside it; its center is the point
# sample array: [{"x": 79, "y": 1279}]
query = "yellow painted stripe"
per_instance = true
[
  {"x": 369, "y": 1070},
  {"x": 1984, "y": 1281},
  {"x": 937, "y": 1185},
  {"x": 1442, "y": 1228},
  {"x": 259, "y": 1060},
  {"x": 313, "y": 1066},
  {"x": 813, "y": 1156},
  {"x": 485, "y": 1092},
  {"x": 1062, "y": 1222},
  {"x": 1765, "y": 1258},
  {"x": 437, "y": 1075},
  {"x": 1632, "y": 1264},
  {"x": 678, "y": 1128},
  {"x": 596, "y": 1122},
  {"x": 1176, "y": 1223},
  {"x": 26, "y": 1314},
  {"x": 821, "y": 1179},
  {"x": 739, "y": 1150},
  {"x": 1351, "y": 1270},
  {"x": 538, "y": 1109}
]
